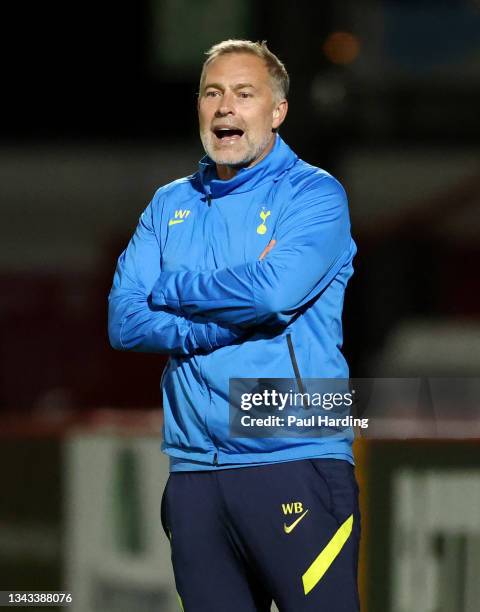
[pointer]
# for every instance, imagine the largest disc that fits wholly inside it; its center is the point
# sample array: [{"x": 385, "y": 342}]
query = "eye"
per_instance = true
[
  {"x": 245, "y": 94},
  {"x": 211, "y": 93}
]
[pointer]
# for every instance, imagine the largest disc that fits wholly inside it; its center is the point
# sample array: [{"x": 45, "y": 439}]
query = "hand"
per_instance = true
[{"x": 268, "y": 248}]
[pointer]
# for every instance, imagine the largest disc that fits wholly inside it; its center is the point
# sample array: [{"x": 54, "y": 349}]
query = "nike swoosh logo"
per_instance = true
[
  {"x": 290, "y": 528},
  {"x": 175, "y": 221}
]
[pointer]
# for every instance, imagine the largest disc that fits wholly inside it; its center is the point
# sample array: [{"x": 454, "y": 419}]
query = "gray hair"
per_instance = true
[{"x": 276, "y": 69}]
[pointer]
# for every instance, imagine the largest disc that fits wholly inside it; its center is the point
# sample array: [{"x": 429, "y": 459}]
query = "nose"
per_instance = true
[{"x": 225, "y": 105}]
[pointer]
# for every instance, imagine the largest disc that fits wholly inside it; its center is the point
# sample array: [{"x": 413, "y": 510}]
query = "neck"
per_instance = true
[{"x": 225, "y": 173}]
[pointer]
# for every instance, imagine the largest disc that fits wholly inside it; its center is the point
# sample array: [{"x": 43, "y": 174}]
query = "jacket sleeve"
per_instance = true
[
  {"x": 134, "y": 323},
  {"x": 313, "y": 243}
]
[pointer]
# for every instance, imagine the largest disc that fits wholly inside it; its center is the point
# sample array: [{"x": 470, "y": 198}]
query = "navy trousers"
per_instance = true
[{"x": 287, "y": 532}]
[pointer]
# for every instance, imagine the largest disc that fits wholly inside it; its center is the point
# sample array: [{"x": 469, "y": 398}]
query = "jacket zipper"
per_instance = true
[
  {"x": 215, "y": 455},
  {"x": 293, "y": 359}
]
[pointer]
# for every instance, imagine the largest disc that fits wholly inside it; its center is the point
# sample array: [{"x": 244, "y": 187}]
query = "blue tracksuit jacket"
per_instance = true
[{"x": 190, "y": 284}]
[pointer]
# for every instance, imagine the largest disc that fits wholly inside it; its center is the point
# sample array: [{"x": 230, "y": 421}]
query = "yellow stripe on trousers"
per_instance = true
[{"x": 328, "y": 555}]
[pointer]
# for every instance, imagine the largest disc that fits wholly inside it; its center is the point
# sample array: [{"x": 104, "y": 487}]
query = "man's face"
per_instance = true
[{"x": 237, "y": 110}]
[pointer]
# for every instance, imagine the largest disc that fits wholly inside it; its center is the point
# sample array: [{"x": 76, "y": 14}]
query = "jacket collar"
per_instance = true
[{"x": 271, "y": 168}]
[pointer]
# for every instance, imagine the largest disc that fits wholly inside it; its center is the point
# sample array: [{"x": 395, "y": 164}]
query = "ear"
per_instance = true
[{"x": 279, "y": 114}]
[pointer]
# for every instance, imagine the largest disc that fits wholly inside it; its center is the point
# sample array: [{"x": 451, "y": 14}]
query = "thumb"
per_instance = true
[{"x": 268, "y": 248}]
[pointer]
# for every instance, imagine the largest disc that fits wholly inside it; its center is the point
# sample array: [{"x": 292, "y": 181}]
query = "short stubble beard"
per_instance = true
[{"x": 243, "y": 163}]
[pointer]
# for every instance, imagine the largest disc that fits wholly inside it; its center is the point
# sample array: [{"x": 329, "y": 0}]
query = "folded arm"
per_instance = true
[{"x": 312, "y": 244}]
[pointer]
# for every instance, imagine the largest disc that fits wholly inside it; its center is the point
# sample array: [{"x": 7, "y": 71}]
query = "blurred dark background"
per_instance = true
[{"x": 99, "y": 110}]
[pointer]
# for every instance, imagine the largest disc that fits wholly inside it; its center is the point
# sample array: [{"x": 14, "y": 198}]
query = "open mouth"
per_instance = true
[{"x": 228, "y": 134}]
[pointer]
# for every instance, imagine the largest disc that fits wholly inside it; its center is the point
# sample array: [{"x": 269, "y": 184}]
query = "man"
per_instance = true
[{"x": 239, "y": 271}]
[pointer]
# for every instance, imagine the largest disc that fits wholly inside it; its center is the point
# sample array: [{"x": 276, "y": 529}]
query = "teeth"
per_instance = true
[{"x": 228, "y": 132}]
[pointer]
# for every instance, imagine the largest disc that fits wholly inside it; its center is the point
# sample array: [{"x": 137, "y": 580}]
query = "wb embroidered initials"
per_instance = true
[
  {"x": 180, "y": 216},
  {"x": 292, "y": 508}
]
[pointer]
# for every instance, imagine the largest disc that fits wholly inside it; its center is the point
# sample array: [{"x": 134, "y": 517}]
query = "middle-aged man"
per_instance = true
[{"x": 239, "y": 271}]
